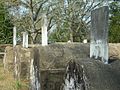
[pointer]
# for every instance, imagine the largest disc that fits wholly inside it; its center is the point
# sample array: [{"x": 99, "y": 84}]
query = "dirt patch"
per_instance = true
[{"x": 114, "y": 50}]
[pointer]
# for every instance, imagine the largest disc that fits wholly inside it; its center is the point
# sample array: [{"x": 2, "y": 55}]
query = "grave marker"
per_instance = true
[
  {"x": 99, "y": 34},
  {"x": 14, "y": 36},
  {"x": 44, "y": 31},
  {"x": 25, "y": 39}
]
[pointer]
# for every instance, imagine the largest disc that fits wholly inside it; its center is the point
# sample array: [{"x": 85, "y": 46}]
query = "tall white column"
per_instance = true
[
  {"x": 99, "y": 34},
  {"x": 14, "y": 36},
  {"x": 44, "y": 31},
  {"x": 25, "y": 39}
]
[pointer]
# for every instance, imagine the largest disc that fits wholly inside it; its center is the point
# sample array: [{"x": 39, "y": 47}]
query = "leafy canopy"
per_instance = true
[
  {"x": 5, "y": 26},
  {"x": 114, "y": 29}
]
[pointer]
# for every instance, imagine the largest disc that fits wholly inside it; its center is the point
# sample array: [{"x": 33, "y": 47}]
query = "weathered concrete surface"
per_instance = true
[
  {"x": 58, "y": 55},
  {"x": 23, "y": 55},
  {"x": 8, "y": 59},
  {"x": 99, "y": 76},
  {"x": 55, "y": 57},
  {"x": 99, "y": 24},
  {"x": 99, "y": 33},
  {"x": 52, "y": 79}
]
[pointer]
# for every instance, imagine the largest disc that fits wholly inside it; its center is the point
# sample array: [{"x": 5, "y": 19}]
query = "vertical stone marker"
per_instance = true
[
  {"x": 14, "y": 36},
  {"x": 44, "y": 31},
  {"x": 99, "y": 34},
  {"x": 25, "y": 39}
]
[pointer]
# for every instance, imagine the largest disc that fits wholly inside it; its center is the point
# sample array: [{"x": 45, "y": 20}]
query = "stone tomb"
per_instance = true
[{"x": 54, "y": 59}]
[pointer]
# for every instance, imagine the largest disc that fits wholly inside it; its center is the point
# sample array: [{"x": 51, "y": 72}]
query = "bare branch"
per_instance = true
[
  {"x": 38, "y": 10},
  {"x": 50, "y": 23},
  {"x": 37, "y": 20},
  {"x": 25, "y": 4}
]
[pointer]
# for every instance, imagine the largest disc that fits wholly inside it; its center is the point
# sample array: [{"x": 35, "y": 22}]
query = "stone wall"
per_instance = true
[{"x": 23, "y": 55}]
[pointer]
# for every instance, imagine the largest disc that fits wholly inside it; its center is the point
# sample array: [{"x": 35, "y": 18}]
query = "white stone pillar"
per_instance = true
[
  {"x": 25, "y": 39},
  {"x": 85, "y": 41},
  {"x": 44, "y": 31},
  {"x": 14, "y": 36},
  {"x": 26, "y": 45},
  {"x": 99, "y": 34},
  {"x": 105, "y": 3}
]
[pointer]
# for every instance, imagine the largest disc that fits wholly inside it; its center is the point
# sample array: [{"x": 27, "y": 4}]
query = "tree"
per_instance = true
[
  {"x": 74, "y": 19},
  {"x": 31, "y": 17},
  {"x": 6, "y": 32},
  {"x": 67, "y": 19},
  {"x": 114, "y": 29}
]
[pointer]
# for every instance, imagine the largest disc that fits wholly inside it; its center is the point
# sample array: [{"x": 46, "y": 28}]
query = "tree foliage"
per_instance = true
[
  {"x": 27, "y": 16},
  {"x": 5, "y": 25},
  {"x": 73, "y": 19},
  {"x": 67, "y": 19},
  {"x": 114, "y": 29}
]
